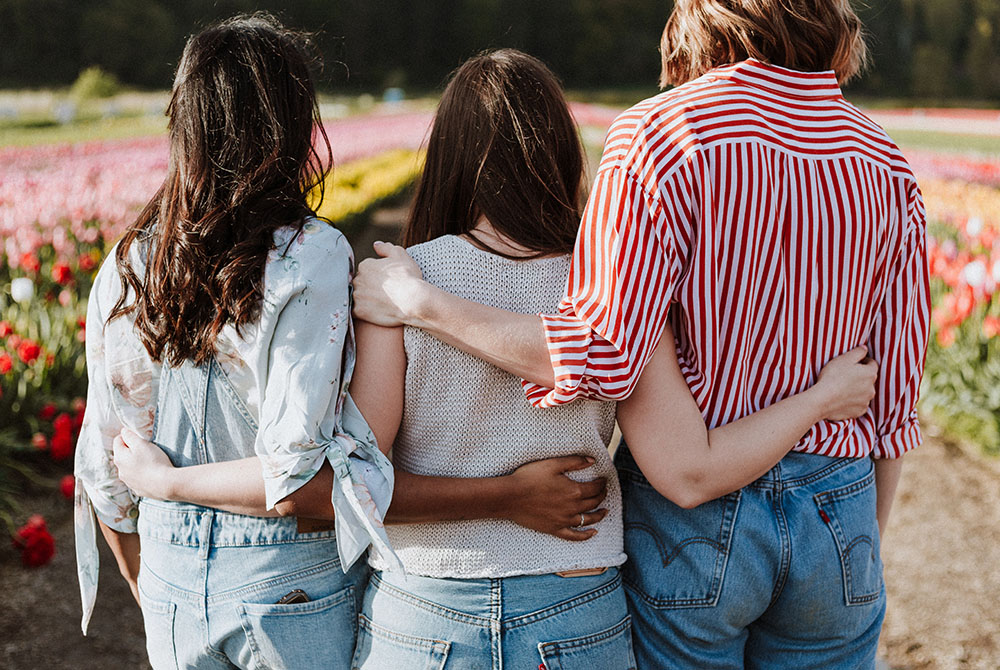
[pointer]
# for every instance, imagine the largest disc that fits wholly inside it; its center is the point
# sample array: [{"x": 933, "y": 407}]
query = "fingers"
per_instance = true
[
  {"x": 592, "y": 503},
  {"x": 572, "y": 463},
  {"x": 590, "y": 518},
  {"x": 595, "y": 488}
]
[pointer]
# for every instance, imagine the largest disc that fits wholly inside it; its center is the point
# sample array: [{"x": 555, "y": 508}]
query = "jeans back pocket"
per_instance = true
[
  {"x": 677, "y": 557},
  {"x": 381, "y": 649},
  {"x": 158, "y": 620},
  {"x": 314, "y": 634},
  {"x": 610, "y": 649},
  {"x": 849, "y": 513}
]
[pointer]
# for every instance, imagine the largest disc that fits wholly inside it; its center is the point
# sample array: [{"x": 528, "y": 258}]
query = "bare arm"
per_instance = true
[
  {"x": 398, "y": 295},
  {"x": 688, "y": 464},
  {"x": 125, "y": 547},
  {"x": 887, "y": 474}
]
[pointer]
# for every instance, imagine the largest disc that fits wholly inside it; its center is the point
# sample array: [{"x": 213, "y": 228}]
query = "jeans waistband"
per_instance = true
[{"x": 195, "y": 526}]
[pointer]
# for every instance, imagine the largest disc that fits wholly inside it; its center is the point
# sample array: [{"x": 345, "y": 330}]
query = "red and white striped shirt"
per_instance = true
[{"x": 778, "y": 226}]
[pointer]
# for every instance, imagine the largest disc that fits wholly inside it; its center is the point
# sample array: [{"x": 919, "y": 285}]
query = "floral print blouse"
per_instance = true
[{"x": 302, "y": 347}]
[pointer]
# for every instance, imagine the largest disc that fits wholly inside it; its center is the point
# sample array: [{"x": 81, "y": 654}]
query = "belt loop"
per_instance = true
[{"x": 205, "y": 520}]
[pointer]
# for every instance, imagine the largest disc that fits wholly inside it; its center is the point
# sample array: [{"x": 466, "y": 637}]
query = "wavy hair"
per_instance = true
[
  {"x": 243, "y": 118},
  {"x": 504, "y": 146},
  {"x": 806, "y": 35}
]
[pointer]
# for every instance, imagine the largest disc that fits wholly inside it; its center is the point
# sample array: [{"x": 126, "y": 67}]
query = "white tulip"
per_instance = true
[
  {"x": 975, "y": 274},
  {"x": 22, "y": 289}
]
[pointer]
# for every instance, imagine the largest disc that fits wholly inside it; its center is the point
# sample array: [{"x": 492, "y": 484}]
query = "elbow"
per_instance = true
[
  {"x": 686, "y": 490},
  {"x": 287, "y": 506}
]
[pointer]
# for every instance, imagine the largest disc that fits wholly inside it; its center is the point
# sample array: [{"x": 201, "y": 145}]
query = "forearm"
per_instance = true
[
  {"x": 419, "y": 498},
  {"x": 231, "y": 486},
  {"x": 758, "y": 441},
  {"x": 887, "y": 474},
  {"x": 689, "y": 464},
  {"x": 511, "y": 341},
  {"x": 125, "y": 547}
]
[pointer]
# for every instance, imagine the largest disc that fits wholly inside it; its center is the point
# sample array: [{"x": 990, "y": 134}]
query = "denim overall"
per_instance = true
[{"x": 210, "y": 581}]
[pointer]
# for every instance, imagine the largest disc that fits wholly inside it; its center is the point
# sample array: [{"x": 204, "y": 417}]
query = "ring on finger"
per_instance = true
[{"x": 583, "y": 519}]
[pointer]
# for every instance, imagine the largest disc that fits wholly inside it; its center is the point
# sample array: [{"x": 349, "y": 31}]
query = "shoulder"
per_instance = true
[
  {"x": 317, "y": 249},
  {"x": 659, "y": 130}
]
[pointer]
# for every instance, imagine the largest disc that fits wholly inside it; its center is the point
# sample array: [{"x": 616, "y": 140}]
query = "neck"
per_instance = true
[{"x": 488, "y": 238}]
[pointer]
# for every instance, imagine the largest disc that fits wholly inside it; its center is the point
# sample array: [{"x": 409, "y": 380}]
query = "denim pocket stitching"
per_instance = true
[
  {"x": 308, "y": 607},
  {"x": 162, "y": 609},
  {"x": 438, "y": 649},
  {"x": 845, "y": 546},
  {"x": 568, "y": 604},
  {"x": 325, "y": 603},
  {"x": 545, "y": 649},
  {"x": 586, "y": 640},
  {"x": 380, "y": 585},
  {"x": 727, "y": 524},
  {"x": 257, "y": 587}
]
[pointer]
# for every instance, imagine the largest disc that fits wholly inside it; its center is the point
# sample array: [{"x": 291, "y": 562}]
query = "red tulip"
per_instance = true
[
  {"x": 62, "y": 274},
  {"x": 28, "y": 351},
  {"x": 29, "y": 262},
  {"x": 47, "y": 412},
  {"x": 35, "y": 543},
  {"x": 6, "y": 363},
  {"x": 67, "y": 485},
  {"x": 62, "y": 446},
  {"x": 5, "y": 328}
]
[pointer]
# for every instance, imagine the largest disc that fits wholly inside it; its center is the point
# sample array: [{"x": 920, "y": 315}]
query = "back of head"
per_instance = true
[
  {"x": 242, "y": 160},
  {"x": 805, "y": 35},
  {"x": 504, "y": 146}
]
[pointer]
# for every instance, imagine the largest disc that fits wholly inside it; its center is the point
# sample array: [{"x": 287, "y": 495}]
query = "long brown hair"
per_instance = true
[
  {"x": 243, "y": 114},
  {"x": 806, "y": 35},
  {"x": 504, "y": 146}
]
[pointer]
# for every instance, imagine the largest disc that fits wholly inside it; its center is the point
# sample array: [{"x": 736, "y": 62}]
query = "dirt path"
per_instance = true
[
  {"x": 942, "y": 562},
  {"x": 942, "y": 557}
]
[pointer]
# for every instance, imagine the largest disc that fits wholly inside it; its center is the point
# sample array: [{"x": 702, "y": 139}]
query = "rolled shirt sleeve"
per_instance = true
[
  {"x": 305, "y": 361},
  {"x": 624, "y": 273},
  {"x": 899, "y": 336}
]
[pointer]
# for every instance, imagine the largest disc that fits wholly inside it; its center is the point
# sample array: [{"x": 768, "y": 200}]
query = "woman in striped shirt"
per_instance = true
[{"x": 768, "y": 225}]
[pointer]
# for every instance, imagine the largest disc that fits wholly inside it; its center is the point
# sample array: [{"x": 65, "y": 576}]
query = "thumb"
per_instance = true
[
  {"x": 857, "y": 354},
  {"x": 128, "y": 435},
  {"x": 387, "y": 249}
]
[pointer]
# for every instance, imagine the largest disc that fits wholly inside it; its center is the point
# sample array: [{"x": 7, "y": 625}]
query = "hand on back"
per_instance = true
[
  {"x": 142, "y": 465},
  {"x": 552, "y": 503},
  {"x": 848, "y": 385}
]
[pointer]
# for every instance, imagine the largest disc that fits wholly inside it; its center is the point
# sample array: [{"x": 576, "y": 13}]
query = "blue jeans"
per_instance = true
[
  {"x": 209, "y": 585},
  {"x": 526, "y": 622},
  {"x": 784, "y": 573}
]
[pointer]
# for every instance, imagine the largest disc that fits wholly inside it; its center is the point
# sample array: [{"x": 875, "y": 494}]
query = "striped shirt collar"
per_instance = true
[{"x": 780, "y": 80}]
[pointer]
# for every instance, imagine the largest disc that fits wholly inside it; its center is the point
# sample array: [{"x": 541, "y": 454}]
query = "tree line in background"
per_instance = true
[{"x": 930, "y": 50}]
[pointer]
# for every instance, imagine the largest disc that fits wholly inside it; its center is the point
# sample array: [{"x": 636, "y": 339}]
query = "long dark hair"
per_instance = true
[
  {"x": 504, "y": 145},
  {"x": 243, "y": 114}
]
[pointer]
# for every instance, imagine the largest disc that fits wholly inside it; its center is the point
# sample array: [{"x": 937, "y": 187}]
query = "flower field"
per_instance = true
[{"x": 63, "y": 206}]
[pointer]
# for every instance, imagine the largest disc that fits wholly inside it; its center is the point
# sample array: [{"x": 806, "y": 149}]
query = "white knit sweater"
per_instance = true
[{"x": 463, "y": 417}]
